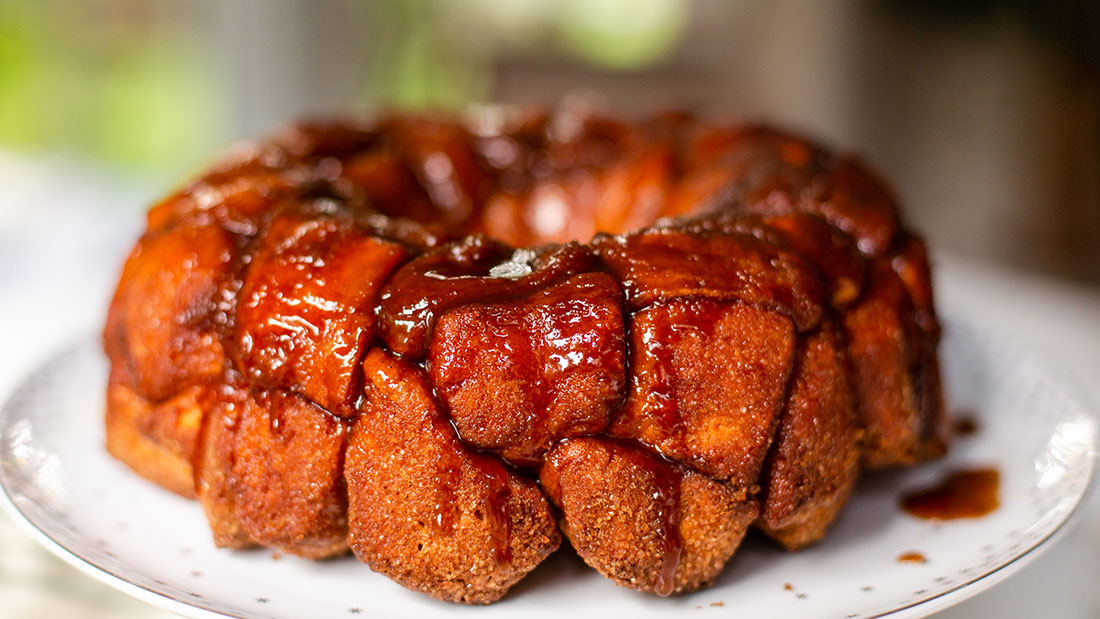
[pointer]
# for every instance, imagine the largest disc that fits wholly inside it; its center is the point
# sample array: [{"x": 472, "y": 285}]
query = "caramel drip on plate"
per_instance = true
[
  {"x": 912, "y": 557},
  {"x": 963, "y": 494}
]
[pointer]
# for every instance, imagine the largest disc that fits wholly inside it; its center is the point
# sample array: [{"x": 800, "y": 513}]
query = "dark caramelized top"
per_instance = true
[{"x": 476, "y": 269}]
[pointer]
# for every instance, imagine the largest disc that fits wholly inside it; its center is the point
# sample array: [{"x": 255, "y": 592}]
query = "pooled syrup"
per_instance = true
[
  {"x": 963, "y": 494},
  {"x": 965, "y": 426},
  {"x": 912, "y": 557}
]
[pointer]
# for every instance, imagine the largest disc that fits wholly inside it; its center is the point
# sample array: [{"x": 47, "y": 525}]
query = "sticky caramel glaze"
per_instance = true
[
  {"x": 169, "y": 314},
  {"x": 278, "y": 270},
  {"x": 682, "y": 528},
  {"x": 476, "y": 269},
  {"x": 719, "y": 418},
  {"x": 964, "y": 426},
  {"x": 305, "y": 313},
  {"x": 519, "y": 376},
  {"x": 894, "y": 334},
  {"x": 833, "y": 254},
  {"x": 426, "y": 510},
  {"x": 762, "y": 171},
  {"x": 912, "y": 557},
  {"x": 666, "y": 263},
  {"x": 625, "y": 193},
  {"x": 962, "y": 494}
]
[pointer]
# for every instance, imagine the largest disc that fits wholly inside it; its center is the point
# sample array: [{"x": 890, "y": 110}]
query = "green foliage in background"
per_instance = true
[
  {"x": 621, "y": 34},
  {"x": 114, "y": 82},
  {"x": 138, "y": 83},
  {"x": 440, "y": 53},
  {"x": 417, "y": 60}
]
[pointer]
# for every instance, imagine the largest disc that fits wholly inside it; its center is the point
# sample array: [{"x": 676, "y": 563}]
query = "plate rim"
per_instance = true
[
  {"x": 160, "y": 599},
  {"x": 165, "y": 600}
]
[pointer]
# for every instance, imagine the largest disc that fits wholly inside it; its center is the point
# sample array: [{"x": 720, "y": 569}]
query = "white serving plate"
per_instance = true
[{"x": 93, "y": 512}]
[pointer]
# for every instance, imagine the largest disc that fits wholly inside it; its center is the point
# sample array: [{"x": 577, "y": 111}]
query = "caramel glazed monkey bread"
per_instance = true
[{"x": 441, "y": 343}]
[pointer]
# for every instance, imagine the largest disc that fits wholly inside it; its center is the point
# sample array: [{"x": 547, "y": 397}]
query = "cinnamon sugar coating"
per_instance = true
[{"x": 434, "y": 341}]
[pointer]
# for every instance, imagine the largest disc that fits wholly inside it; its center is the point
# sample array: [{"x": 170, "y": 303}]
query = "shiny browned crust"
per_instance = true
[
  {"x": 163, "y": 324},
  {"x": 814, "y": 463},
  {"x": 881, "y": 352},
  {"x": 304, "y": 315},
  {"x": 774, "y": 336},
  {"x": 425, "y": 510},
  {"x": 519, "y": 376},
  {"x": 269, "y": 471},
  {"x": 709, "y": 384},
  {"x": 912, "y": 265},
  {"x": 616, "y": 502},
  {"x": 288, "y": 475}
]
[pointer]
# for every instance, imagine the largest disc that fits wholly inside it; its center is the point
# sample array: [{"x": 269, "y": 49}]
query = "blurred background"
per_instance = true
[{"x": 984, "y": 115}]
